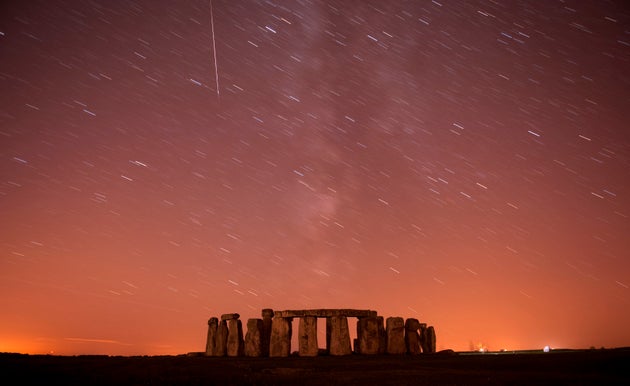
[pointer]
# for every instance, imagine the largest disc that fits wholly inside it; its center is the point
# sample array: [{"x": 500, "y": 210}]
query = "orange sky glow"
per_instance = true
[{"x": 463, "y": 163}]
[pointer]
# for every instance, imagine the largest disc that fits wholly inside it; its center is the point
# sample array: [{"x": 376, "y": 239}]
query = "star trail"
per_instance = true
[{"x": 465, "y": 163}]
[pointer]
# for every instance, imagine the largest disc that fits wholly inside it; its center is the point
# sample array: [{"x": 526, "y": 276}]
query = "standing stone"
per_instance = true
[
  {"x": 382, "y": 336},
  {"x": 395, "y": 335},
  {"x": 235, "y": 342},
  {"x": 253, "y": 338},
  {"x": 328, "y": 329},
  {"x": 368, "y": 336},
  {"x": 412, "y": 338},
  {"x": 221, "y": 341},
  {"x": 339, "y": 336},
  {"x": 357, "y": 340},
  {"x": 265, "y": 336},
  {"x": 423, "y": 338},
  {"x": 307, "y": 336},
  {"x": 430, "y": 339},
  {"x": 280, "y": 344},
  {"x": 212, "y": 336}
]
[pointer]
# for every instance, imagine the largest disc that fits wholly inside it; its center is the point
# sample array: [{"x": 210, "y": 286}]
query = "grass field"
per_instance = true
[{"x": 567, "y": 367}]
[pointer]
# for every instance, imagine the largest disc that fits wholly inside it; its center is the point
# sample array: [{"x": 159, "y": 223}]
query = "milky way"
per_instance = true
[{"x": 464, "y": 163}]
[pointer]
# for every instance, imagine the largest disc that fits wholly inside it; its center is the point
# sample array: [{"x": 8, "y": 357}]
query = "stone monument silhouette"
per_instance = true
[{"x": 271, "y": 335}]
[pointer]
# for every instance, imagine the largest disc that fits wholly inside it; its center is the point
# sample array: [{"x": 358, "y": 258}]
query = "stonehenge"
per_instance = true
[
  {"x": 395, "y": 327},
  {"x": 230, "y": 316},
  {"x": 368, "y": 336},
  {"x": 325, "y": 313},
  {"x": 307, "y": 335},
  {"x": 412, "y": 337},
  {"x": 213, "y": 324},
  {"x": 271, "y": 336},
  {"x": 280, "y": 344},
  {"x": 382, "y": 336},
  {"x": 220, "y": 346},
  {"x": 423, "y": 337},
  {"x": 265, "y": 337},
  {"x": 253, "y": 339},
  {"x": 235, "y": 342},
  {"x": 430, "y": 339},
  {"x": 339, "y": 342}
]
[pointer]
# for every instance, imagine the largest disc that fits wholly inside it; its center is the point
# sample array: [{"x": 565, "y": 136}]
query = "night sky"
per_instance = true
[{"x": 465, "y": 163}]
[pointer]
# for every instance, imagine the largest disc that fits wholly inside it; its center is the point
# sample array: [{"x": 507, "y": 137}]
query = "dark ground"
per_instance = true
[{"x": 582, "y": 367}]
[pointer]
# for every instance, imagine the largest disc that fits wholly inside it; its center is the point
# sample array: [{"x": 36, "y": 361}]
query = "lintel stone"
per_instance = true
[
  {"x": 230, "y": 316},
  {"x": 326, "y": 313}
]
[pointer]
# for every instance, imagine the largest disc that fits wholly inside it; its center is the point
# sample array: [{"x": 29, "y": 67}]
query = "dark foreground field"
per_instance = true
[{"x": 592, "y": 367}]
